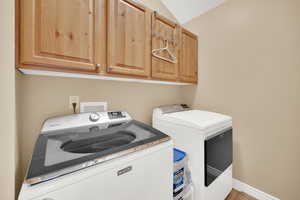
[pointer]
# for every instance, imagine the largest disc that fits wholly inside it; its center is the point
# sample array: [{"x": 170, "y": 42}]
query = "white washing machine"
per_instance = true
[
  {"x": 207, "y": 139},
  {"x": 99, "y": 156}
]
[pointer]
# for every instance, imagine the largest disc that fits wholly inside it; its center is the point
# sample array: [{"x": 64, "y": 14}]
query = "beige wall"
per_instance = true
[
  {"x": 249, "y": 54},
  {"x": 19, "y": 174},
  {"x": 42, "y": 97},
  {"x": 7, "y": 101}
]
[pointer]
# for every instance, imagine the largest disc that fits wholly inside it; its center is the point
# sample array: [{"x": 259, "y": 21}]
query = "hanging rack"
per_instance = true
[{"x": 156, "y": 52}]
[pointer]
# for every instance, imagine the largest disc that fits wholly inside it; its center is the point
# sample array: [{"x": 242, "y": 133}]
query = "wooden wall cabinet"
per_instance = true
[
  {"x": 104, "y": 37},
  {"x": 129, "y": 38},
  {"x": 62, "y": 34},
  {"x": 165, "y": 32},
  {"x": 188, "y": 68}
]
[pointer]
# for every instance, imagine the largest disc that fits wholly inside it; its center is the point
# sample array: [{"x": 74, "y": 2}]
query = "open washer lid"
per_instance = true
[
  {"x": 203, "y": 120},
  {"x": 64, "y": 151}
]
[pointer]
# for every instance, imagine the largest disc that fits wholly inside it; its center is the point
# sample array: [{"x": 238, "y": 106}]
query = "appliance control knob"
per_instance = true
[{"x": 94, "y": 117}]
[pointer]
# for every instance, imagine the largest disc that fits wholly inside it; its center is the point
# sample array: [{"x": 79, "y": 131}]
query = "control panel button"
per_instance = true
[{"x": 94, "y": 117}]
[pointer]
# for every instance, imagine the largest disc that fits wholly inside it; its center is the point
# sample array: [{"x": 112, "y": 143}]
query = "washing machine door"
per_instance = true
[
  {"x": 218, "y": 155},
  {"x": 64, "y": 151}
]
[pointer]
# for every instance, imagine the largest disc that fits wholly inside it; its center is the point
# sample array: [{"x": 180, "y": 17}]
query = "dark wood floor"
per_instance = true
[{"x": 236, "y": 195}]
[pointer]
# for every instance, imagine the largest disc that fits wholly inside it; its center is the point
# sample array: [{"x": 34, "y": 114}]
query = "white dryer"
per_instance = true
[{"x": 207, "y": 139}]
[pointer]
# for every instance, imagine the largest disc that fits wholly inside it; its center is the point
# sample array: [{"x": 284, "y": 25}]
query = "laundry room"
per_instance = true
[{"x": 160, "y": 99}]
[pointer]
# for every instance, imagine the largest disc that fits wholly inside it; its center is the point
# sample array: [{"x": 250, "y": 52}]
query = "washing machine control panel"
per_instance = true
[
  {"x": 84, "y": 119},
  {"x": 174, "y": 108},
  {"x": 116, "y": 115}
]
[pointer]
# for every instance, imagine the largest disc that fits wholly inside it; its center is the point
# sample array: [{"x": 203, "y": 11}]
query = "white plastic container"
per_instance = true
[{"x": 182, "y": 182}]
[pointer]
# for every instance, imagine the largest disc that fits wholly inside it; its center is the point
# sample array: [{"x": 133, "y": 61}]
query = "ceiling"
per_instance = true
[{"x": 185, "y": 10}]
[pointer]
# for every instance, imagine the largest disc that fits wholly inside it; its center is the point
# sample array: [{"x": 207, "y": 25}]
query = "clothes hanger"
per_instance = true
[{"x": 156, "y": 52}]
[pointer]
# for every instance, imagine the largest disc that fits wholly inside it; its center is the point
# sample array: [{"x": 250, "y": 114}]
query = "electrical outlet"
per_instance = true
[{"x": 73, "y": 99}]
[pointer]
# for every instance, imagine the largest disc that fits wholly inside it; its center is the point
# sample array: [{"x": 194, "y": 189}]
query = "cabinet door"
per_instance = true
[
  {"x": 164, "y": 33},
  {"x": 129, "y": 38},
  {"x": 188, "y": 69},
  {"x": 61, "y": 33}
]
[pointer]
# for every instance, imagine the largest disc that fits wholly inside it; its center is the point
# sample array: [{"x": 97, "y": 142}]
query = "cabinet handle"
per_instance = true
[{"x": 47, "y": 199}]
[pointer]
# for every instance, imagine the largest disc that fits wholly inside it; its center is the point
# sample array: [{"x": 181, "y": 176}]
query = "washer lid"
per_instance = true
[
  {"x": 61, "y": 152},
  {"x": 198, "y": 119}
]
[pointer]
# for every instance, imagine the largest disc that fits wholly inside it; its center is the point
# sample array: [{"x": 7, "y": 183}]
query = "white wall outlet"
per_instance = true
[{"x": 73, "y": 99}]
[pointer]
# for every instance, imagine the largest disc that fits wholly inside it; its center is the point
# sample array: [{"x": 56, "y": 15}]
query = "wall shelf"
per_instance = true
[{"x": 99, "y": 77}]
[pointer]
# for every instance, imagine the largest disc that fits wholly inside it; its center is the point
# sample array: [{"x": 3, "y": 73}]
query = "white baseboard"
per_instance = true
[{"x": 260, "y": 195}]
